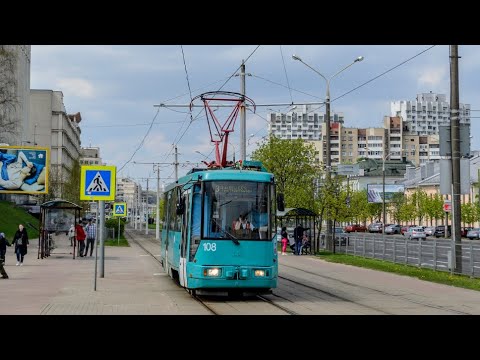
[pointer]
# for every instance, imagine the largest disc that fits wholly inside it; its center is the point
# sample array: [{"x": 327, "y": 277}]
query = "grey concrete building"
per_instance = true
[
  {"x": 423, "y": 115},
  {"x": 14, "y": 93},
  {"x": 91, "y": 156},
  {"x": 58, "y": 131}
]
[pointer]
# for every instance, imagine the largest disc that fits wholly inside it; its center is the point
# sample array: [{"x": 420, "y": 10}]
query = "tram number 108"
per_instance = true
[{"x": 209, "y": 246}]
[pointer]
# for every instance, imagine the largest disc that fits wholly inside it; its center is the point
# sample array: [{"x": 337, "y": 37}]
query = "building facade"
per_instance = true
[
  {"x": 303, "y": 122},
  {"x": 427, "y": 112},
  {"x": 14, "y": 93},
  {"x": 60, "y": 132},
  {"x": 130, "y": 192},
  {"x": 90, "y": 156}
]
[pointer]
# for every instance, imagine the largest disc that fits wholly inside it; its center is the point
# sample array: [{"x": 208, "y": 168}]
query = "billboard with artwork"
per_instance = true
[
  {"x": 23, "y": 170},
  {"x": 375, "y": 192}
]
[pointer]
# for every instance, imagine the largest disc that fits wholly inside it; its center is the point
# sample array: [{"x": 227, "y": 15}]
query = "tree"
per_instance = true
[
  {"x": 290, "y": 162},
  {"x": 397, "y": 202},
  {"x": 71, "y": 190},
  {"x": 469, "y": 213},
  {"x": 434, "y": 207}
]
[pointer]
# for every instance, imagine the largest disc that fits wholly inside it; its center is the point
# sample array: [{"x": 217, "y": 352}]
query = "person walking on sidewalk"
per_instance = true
[
  {"x": 91, "y": 236},
  {"x": 284, "y": 235},
  {"x": 20, "y": 240},
  {"x": 80, "y": 235},
  {"x": 3, "y": 248},
  {"x": 71, "y": 234}
]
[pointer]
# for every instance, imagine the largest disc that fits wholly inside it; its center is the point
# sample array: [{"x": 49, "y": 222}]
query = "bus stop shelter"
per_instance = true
[
  {"x": 292, "y": 217},
  {"x": 56, "y": 216}
]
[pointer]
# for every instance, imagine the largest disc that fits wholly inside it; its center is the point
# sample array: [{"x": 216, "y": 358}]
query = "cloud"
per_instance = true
[
  {"x": 433, "y": 77},
  {"x": 76, "y": 87}
]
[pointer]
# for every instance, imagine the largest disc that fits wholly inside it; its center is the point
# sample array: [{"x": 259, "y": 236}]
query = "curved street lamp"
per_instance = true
[{"x": 327, "y": 125}]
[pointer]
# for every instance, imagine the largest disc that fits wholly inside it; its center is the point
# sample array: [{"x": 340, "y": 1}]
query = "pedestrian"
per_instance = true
[
  {"x": 3, "y": 247},
  {"x": 20, "y": 240},
  {"x": 298, "y": 236},
  {"x": 91, "y": 235},
  {"x": 80, "y": 235},
  {"x": 71, "y": 234},
  {"x": 284, "y": 235}
]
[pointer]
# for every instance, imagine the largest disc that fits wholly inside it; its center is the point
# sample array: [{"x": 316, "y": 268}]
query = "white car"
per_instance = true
[{"x": 416, "y": 232}]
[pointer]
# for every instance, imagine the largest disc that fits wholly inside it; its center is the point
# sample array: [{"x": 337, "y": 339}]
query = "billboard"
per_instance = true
[
  {"x": 375, "y": 192},
  {"x": 23, "y": 170}
]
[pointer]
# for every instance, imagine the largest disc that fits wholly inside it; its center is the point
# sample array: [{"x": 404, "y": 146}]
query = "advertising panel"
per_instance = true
[
  {"x": 375, "y": 192},
  {"x": 24, "y": 170}
]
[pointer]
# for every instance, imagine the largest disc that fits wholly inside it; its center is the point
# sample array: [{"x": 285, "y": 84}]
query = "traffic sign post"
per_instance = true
[
  {"x": 97, "y": 182},
  {"x": 119, "y": 210},
  {"x": 447, "y": 205}
]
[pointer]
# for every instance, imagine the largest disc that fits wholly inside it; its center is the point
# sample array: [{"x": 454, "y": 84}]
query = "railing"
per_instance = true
[{"x": 435, "y": 254}]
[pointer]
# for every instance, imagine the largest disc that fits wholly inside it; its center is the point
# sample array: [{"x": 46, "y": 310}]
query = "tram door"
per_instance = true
[{"x": 184, "y": 240}]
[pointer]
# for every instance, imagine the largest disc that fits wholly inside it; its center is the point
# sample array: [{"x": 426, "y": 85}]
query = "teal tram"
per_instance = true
[{"x": 218, "y": 231}]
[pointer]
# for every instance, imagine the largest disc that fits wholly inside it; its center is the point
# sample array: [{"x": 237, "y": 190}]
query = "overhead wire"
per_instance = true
[
  {"x": 221, "y": 87},
  {"x": 285, "y": 69}
]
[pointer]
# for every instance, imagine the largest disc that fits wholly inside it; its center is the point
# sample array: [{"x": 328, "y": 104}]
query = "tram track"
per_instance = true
[
  {"x": 208, "y": 305},
  {"x": 416, "y": 302}
]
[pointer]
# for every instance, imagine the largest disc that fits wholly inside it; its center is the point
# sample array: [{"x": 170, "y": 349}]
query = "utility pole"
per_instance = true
[
  {"x": 157, "y": 211},
  {"x": 146, "y": 206},
  {"x": 243, "y": 116},
  {"x": 455, "y": 141},
  {"x": 176, "y": 163}
]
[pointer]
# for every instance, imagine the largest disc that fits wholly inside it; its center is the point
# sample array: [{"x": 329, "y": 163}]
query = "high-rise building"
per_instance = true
[
  {"x": 302, "y": 122},
  {"x": 423, "y": 115},
  {"x": 58, "y": 131},
  {"x": 14, "y": 93}
]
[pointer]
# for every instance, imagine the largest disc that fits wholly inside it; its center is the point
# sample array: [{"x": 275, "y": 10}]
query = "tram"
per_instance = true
[{"x": 219, "y": 230}]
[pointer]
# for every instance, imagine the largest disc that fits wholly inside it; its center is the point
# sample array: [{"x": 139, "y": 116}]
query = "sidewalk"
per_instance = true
[{"x": 133, "y": 284}]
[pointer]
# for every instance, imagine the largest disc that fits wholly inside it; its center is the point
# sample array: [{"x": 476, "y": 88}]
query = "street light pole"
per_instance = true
[{"x": 328, "y": 160}]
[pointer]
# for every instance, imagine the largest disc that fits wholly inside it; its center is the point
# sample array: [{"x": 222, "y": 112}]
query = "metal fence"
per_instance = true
[{"x": 438, "y": 255}]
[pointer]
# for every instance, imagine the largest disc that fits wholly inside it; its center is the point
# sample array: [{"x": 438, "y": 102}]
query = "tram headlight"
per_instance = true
[
  {"x": 260, "y": 273},
  {"x": 214, "y": 272}
]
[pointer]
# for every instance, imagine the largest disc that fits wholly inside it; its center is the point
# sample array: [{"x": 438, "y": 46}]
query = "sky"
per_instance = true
[{"x": 116, "y": 88}]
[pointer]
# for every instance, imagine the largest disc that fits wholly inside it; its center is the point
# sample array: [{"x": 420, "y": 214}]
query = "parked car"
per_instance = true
[
  {"x": 405, "y": 228},
  {"x": 474, "y": 234},
  {"x": 415, "y": 232},
  {"x": 464, "y": 231},
  {"x": 355, "y": 228},
  {"x": 393, "y": 229},
  {"x": 375, "y": 227},
  {"x": 440, "y": 231},
  {"x": 341, "y": 237},
  {"x": 430, "y": 230}
]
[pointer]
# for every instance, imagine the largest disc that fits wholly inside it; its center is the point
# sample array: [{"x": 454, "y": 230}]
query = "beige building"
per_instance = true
[{"x": 128, "y": 191}]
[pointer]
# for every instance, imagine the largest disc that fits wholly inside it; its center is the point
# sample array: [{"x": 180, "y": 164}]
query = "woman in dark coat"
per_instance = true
[{"x": 20, "y": 239}]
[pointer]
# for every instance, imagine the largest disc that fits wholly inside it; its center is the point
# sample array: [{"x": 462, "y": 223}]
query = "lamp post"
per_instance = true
[{"x": 327, "y": 132}]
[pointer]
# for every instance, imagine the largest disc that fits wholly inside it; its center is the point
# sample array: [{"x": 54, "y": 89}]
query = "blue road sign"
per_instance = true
[{"x": 97, "y": 183}]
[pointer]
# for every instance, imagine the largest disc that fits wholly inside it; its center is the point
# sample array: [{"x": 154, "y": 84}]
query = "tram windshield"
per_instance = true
[{"x": 237, "y": 210}]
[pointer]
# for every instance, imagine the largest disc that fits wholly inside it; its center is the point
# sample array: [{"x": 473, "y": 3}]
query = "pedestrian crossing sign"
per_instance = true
[
  {"x": 97, "y": 183},
  {"x": 120, "y": 209}
]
